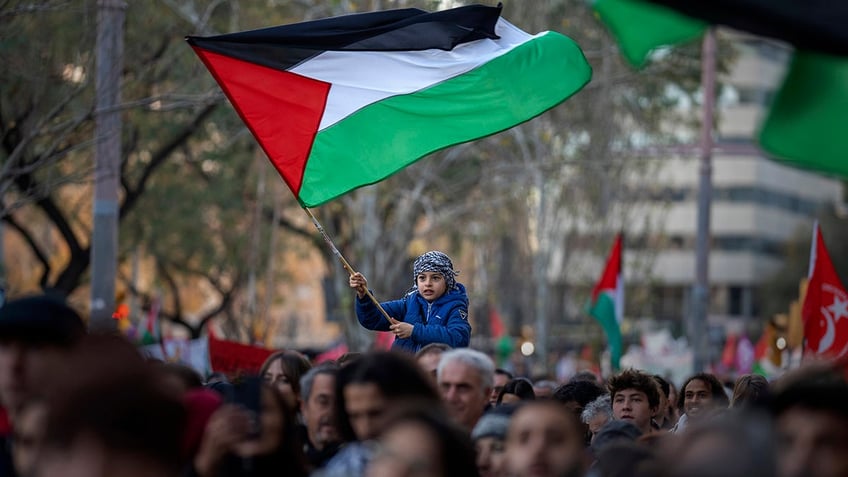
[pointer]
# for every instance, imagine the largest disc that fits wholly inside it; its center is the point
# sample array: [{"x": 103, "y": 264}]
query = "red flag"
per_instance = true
[
  {"x": 230, "y": 357},
  {"x": 383, "y": 341},
  {"x": 825, "y": 310},
  {"x": 496, "y": 324},
  {"x": 728, "y": 355}
]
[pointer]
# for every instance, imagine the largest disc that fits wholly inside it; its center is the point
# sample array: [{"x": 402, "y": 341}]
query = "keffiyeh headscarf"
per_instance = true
[{"x": 435, "y": 262}]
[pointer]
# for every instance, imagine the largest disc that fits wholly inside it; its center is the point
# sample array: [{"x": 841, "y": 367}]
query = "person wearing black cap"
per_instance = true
[{"x": 36, "y": 334}]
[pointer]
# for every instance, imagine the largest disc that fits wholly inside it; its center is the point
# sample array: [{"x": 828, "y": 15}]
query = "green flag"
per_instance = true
[
  {"x": 806, "y": 123},
  {"x": 640, "y": 27}
]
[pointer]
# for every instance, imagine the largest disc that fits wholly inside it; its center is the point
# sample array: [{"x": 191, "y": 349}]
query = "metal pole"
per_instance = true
[
  {"x": 701, "y": 289},
  {"x": 107, "y": 162},
  {"x": 540, "y": 266}
]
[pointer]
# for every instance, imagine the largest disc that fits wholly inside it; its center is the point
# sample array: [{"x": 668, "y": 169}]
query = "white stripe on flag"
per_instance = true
[{"x": 360, "y": 78}]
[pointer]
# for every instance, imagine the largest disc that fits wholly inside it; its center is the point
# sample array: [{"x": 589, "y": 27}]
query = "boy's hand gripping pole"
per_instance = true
[{"x": 346, "y": 265}]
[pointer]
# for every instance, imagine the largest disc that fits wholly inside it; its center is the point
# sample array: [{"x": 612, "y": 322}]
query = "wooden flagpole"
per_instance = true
[{"x": 345, "y": 263}]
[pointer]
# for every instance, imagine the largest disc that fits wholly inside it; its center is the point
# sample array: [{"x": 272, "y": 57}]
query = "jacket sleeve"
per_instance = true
[
  {"x": 455, "y": 331},
  {"x": 369, "y": 315}
]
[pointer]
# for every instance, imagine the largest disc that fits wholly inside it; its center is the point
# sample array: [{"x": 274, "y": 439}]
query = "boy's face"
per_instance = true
[
  {"x": 431, "y": 285},
  {"x": 632, "y": 405}
]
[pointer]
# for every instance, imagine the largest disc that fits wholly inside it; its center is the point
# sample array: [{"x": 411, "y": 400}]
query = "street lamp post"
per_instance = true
[{"x": 701, "y": 291}]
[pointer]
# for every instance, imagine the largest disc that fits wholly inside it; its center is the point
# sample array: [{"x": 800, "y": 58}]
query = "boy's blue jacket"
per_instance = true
[{"x": 443, "y": 321}]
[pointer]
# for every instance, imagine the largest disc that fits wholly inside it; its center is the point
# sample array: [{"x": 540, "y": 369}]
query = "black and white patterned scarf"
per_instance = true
[{"x": 435, "y": 262}]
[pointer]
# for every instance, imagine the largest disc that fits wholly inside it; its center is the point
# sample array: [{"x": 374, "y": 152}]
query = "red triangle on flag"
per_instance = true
[
  {"x": 257, "y": 93},
  {"x": 609, "y": 280},
  {"x": 825, "y": 309}
]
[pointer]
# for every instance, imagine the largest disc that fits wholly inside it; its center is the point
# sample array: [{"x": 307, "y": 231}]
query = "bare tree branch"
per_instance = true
[{"x": 33, "y": 245}]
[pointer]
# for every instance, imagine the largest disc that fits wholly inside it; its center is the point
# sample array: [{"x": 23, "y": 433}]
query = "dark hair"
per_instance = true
[
  {"x": 584, "y": 375},
  {"x": 290, "y": 452},
  {"x": 750, "y": 390},
  {"x": 716, "y": 390},
  {"x": 633, "y": 379},
  {"x": 665, "y": 387},
  {"x": 627, "y": 457},
  {"x": 40, "y": 320},
  {"x": 432, "y": 348},
  {"x": 120, "y": 402},
  {"x": 395, "y": 374},
  {"x": 348, "y": 358},
  {"x": 458, "y": 458},
  {"x": 581, "y": 392},
  {"x": 521, "y": 387},
  {"x": 814, "y": 387},
  {"x": 504, "y": 372},
  {"x": 190, "y": 378},
  {"x": 294, "y": 365}
]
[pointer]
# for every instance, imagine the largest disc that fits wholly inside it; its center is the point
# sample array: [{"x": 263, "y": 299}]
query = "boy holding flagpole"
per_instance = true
[{"x": 435, "y": 310}]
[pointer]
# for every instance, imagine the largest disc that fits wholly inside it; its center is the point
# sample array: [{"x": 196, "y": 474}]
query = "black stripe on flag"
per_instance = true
[{"x": 410, "y": 29}]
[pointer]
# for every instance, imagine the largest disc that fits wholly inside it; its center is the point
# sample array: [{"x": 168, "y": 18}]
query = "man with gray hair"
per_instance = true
[
  {"x": 317, "y": 400},
  {"x": 596, "y": 414},
  {"x": 466, "y": 377}
]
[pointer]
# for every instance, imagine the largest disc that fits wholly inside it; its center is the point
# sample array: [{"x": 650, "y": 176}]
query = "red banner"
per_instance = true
[{"x": 230, "y": 357}]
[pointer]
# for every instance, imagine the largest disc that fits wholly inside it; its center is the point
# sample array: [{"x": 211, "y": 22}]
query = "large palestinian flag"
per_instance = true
[{"x": 347, "y": 101}]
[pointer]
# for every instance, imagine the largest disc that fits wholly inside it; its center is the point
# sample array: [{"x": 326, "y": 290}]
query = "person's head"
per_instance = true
[
  {"x": 36, "y": 334},
  {"x": 730, "y": 445},
  {"x": 612, "y": 432},
  {"x": 544, "y": 388},
  {"x": 584, "y": 375},
  {"x": 465, "y": 380},
  {"x": 750, "y": 390},
  {"x": 278, "y": 436},
  {"x": 179, "y": 377},
  {"x": 433, "y": 275},
  {"x": 419, "y": 440},
  {"x": 110, "y": 416},
  {"x": 627, "y": 458},
  {"x": 673, "y": 410},
  {"x": 317, "y": 400},
  {"x": 635, "y": 397},
  {"x": 502, "y": 376},
  {"x": 576, "y": 394},
  {"x": 429, "y": 356},
  {"x": 367, "y": 388},
  {"x": 596, "y": 414},
  {"x": 811, "y": 420},
  {"x": 661, "y": 417},
  {"x": 283, "y": 370},
  {"x": 200, "y": 404},
  {"x": 348, "y": 358},
  {"x": 516, "y": 390},
  {"x": 545, "y": 439},
  {"x": 701, "y": 395},
  {"x": 489, "y": 437}
]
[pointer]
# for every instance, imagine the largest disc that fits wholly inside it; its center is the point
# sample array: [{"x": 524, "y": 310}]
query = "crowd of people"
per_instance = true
[{"x": 78, "y": 404}]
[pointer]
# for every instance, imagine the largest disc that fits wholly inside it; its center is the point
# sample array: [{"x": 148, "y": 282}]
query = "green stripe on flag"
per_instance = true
[
  {"x": 640, "y": 27},
  {"x": 389, "y": 135},
  {"x": 806, "y": 123},
  {"x": 603, "y": 310}
]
